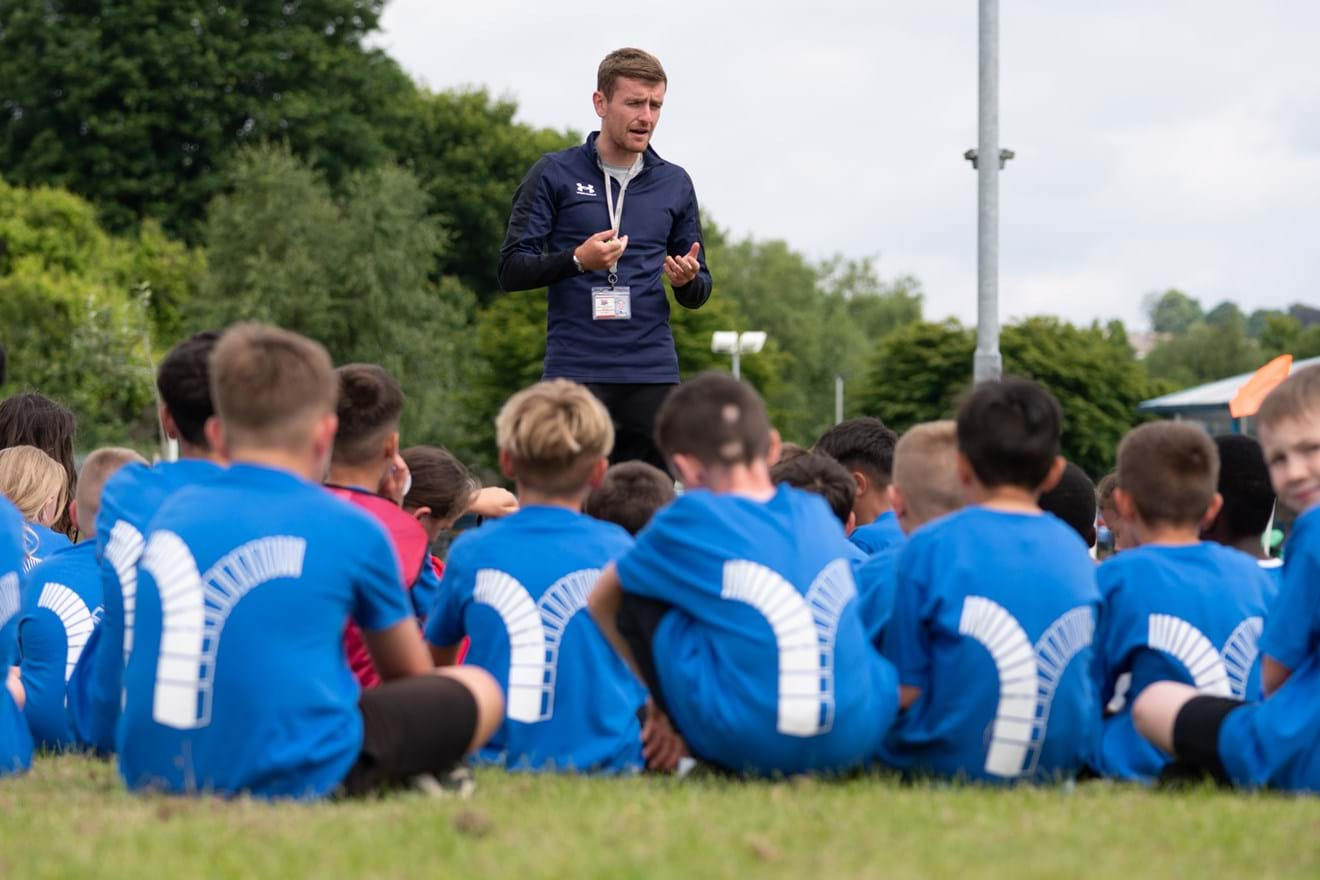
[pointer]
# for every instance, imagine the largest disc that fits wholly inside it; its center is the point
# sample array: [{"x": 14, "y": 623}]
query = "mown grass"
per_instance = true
[{"x": 69, "y": 818}]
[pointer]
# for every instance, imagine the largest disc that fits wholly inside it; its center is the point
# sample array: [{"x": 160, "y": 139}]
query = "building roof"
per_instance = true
[{"x": 1211, "y": 396}]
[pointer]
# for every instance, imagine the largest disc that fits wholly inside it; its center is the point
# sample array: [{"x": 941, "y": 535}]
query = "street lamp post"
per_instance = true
[{"x": 737, "y": 344}]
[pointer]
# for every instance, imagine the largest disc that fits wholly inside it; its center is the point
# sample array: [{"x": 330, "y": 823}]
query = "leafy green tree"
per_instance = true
[
  {"x": 352, "y": 272},
  {"x": 1172, "y": 312},
  {"x": 1226, "y": 314},
  {"x": 1203, "y": 354},
  {"x": 471, "y": 155},
  {"x": 1284, "y": 334},
  {"x": 139, "y": 105},
  {"x": 1258, "y": 319},
  {"x": 919, "y": 372}
]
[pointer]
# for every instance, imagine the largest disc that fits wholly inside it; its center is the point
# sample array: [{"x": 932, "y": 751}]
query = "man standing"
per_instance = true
[{"x": 608, "y": 318}]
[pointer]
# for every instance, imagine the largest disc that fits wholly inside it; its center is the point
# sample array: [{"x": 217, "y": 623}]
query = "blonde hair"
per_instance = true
[
  {"x": 555, "y": 432},
  {"x": 270, "y": 385},
  {"x": 96, "y": 471},
  {"x": 926, "y": 469},
  {"x": 30, "y": 478}
]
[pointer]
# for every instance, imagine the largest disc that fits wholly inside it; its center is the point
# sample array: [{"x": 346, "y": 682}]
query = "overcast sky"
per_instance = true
[{"x": 1158, "y": 144}]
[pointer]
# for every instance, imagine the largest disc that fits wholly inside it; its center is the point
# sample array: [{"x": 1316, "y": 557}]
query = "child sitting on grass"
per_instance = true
[
  {"x": 1073, "y": 500},
  {"x": 738, "y": 607},
  {"x": 518, "y": 587},
  {"x": 37, "y": 486},
  {"x": 995, "y": 608},
  {"x": 1244, "y": 484},
  {"x": 1274, "y": 742},
  {"x": 866, "y": 448},
  {"x": 925, "y": 488},
  {"x": 15, "y": 738},
  {"x": 630, "y": 495},
  {"x": 62, "y": 608},
  {"x": 1175, "y": 608},
  {"x": 821, "y": 475}
]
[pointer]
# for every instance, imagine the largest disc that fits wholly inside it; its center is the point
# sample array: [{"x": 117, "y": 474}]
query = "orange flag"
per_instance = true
[{"x": 1254, "y": 391}]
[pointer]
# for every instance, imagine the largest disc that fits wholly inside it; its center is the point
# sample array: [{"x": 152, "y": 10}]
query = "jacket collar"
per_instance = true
[{"x": 652, "y": 158}]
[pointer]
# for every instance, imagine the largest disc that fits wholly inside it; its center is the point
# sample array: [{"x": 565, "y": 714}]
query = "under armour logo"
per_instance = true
[{"x": 586, "y": 189}]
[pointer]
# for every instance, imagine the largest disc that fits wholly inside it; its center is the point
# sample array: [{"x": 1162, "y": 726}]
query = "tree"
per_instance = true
[
  {"x": 470, "y": 155},
  {"x": 919, "y": 372},
  {"x": 1172, "y": 312},
  {"x": 352, "y": 272},
  {"x": 139, "y": 105},
  {"x": 1205, "y": 353},
  {"x": 1226, "y": 314}
]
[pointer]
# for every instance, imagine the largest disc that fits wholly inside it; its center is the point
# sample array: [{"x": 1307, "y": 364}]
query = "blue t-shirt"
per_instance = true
[
  {"x": 48, "y": 542},
  {"x": 61, "y": 609},
  {"x": 876, "y": 536},
  {"x": 994, "y": 617},
  {"x": 1292, "y": 631},
  {"x": 238, "y": 681},
  {"x": 1274, "y": 742},
  {"x": 519, "y": 586},
  {"x": 15, "y": 739},
  {"x": 129, "y": 500},
  {"x": 1191, "y": 614},
  {"x": 1273, "y": 567},
  {"x": 763, "y": 661},
  {"x": 876, "y": 582}
]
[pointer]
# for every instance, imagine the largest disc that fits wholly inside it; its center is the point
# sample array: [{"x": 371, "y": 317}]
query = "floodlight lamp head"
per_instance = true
[
  {"x": 751, "y": 341},
  {"x": 724, "y": 341}
]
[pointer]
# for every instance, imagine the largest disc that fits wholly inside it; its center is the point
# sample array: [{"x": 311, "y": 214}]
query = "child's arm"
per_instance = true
[
  {"x": 493, "y": 503},
  {"x": 446, "y": 656},
  {"x": 397, "y": 651},
  {"x": 604, "y": 602},
  {"x": 1272, "y": 674}
]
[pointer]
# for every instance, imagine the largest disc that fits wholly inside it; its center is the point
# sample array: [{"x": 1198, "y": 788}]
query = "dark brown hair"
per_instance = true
[
  {"x": 821, "y": 475},
  {"x": 33, "y": 419},
  {"x": 715, "y": 419},
  {"x": 370, "y": 403},
  {"x": 630, "y": 494},
  {"x": 629, "y": 64},
  {"x": 439, "y": 481},
  {"x": 1170, "y": 470}
]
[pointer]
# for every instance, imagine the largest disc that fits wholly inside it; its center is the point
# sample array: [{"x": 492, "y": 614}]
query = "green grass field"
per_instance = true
[{"x": 69, "y": 818}]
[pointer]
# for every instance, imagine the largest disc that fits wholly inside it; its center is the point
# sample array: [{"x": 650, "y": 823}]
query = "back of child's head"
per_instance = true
[
  {"x": 790, "y": 450},
  {"x": 821, "y": 475},
  {"x": 440, "y": 482},
  {"x": 369, "y": 407},
  {"x": 926, "y": 470},
  {"x": 862, "y": 444},
  {"x": 716, "y": 420},
  {"x": 34, "y": 482},
  {"x": 630, "y": 494},
  {"x": 1170, "y": 470},
  {"x": 96, "y": 471},
  {"x": 32, "y": 419},
  {"x": 270, "y": 386},
  {"x": 1073, "y": 500},
  {"x": 1009, "y": 432},
  {"x": 183, "y": 380},
  {"x": 1244, "y": 484},
  {"x": 1298, "y": 397},
  {"x": 554, "y": 433}
]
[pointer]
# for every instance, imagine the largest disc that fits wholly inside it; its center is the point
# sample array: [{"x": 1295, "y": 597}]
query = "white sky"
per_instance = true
[{"x": 1158, "y": 144}]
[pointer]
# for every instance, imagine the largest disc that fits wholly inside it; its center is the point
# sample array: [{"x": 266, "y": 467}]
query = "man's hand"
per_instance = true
[
  {"x": 395, "y": 484},
  {"x": 600, "y": 251},
  {"x": 661, "y": 744},
  {"x": 681, "y": 270}
]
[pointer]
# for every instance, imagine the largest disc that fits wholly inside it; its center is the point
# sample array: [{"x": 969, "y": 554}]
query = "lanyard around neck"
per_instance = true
[{"x": 616, "y": 211}]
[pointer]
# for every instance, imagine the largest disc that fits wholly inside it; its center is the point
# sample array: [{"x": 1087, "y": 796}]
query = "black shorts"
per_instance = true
[
  {"x": 638, "y": 619},
  {"x": 413, "y": 726},
  {"x": 632, "y": 408},
  {"x": 1196, "y": 737}
]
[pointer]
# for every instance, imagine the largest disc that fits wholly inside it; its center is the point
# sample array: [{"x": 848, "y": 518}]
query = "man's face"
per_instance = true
[
  {"x": 1292, "y": 452},
  {"x": 630, "y": 115}
]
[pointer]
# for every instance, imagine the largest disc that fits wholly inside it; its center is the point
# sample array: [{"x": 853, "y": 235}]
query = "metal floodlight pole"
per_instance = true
[
  {"x": 988, "y": 364},
  {"x": 737, "y": 367},
  {"x": 838, "y": 399}
]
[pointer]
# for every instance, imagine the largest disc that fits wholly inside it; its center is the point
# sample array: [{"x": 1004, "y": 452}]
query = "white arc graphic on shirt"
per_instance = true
[
  {"x": 804, "y": 630},
  {"x": 122, "y": 551},
  {"x": 1212, "y": 673},
  {"x": 74, "y": 616},
  {"x": 194, "y": 609},
  {"x": 1029, "y": 676},
  {"x": 10, "y": 599},
  {"x": 535, "y": 631}
]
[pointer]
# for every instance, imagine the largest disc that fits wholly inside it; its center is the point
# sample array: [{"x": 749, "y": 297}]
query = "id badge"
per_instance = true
[{"x": 611, "y": 303}]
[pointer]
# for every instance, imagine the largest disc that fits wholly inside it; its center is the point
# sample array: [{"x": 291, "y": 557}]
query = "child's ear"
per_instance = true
[
  {"x": 690, "y": 472},
  {"x": 214, "y": 430},
  {"x": 863, "y": 483},
  {"x": 506, "y": 465},
  {"x": 851, "y": 525},
  {"x": 897, "y": 501},
  {"x": 1123, "y": 503},
  {"x": 597, "y": 475},
  {"x": 1055, "y": 474},
  {"x": 73, "y": 515},
  {"x": 391, "y": 446},
  {"x": 1212, "y": 512},
  {"x": 776, "y": 448},
  {"x": 966, "y": 476},
  {"x": 168, "y": 424},
  {"x": 421, "y": 513}
]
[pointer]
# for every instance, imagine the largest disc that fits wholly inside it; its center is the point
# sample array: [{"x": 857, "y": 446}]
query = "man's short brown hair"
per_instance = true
[
  {"x": 817, "y": 473},
  {"x": 270, "y": 385},
  {"x": 630, "y": 64},
  {"x": 926, "y": 469},
  {"x": 1170, "y": 470},
  {"x": 630, "y": 494},
  {"x": 715, "y": 419},
  {"x": 96, "y": 471},
  {"x": 370, "y": 403},
  {"x": 1298, "y": 396}
]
